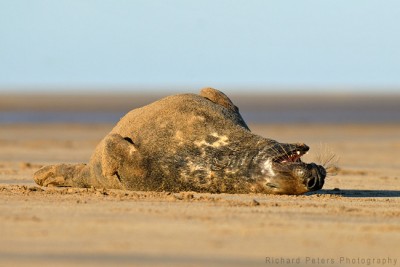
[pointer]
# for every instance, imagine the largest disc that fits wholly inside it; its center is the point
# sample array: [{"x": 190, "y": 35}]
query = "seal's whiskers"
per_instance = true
[{"x": 327, "y": 158}]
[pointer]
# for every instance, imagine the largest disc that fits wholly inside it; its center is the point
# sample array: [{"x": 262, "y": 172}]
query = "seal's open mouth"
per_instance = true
[
  {"x": 293, "y": 155},
  {"x": 290, "y": 175}
]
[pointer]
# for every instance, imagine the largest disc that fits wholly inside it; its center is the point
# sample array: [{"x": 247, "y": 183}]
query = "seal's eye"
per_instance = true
[
  {"x": 271, "y": 185},
  {"x": 299, "y": 172}
]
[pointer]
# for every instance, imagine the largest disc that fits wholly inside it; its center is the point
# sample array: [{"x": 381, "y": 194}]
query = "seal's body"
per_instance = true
[{"x": 190, "y": 142}]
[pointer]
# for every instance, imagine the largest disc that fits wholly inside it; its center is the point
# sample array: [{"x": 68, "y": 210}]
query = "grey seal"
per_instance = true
[{"x": 190, "y": 142}]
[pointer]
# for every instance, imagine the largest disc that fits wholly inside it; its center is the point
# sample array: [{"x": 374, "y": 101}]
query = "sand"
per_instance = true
[{"x": 353, "y": 221}]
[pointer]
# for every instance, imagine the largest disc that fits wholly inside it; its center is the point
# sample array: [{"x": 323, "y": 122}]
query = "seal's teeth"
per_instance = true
[{"x": 298, "y": 152}]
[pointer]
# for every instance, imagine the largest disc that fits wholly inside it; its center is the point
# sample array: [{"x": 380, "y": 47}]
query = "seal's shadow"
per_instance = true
[{"x": 358, "y": 193}]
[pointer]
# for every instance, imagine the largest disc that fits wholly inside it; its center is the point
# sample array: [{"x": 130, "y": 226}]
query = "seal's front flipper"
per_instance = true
[
  {"x": 116, "y": 150},
  {"x": 117, "y": 162},
  {"x": 221, "y": 99},
  {"x": 61, "y": 175},
  {"x": 218, "y": 98}
]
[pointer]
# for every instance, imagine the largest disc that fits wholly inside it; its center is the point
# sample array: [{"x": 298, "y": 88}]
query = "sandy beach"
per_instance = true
[
  {"x": 323, "y": 75},
  {"x": 353, "y": 221}
]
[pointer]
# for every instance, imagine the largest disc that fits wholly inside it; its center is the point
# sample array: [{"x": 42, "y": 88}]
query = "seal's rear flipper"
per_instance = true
[{"x": 61, "y": 175}]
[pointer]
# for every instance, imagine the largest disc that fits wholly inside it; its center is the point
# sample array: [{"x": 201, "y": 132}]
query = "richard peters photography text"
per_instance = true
[{"x": 383, "y": 261}]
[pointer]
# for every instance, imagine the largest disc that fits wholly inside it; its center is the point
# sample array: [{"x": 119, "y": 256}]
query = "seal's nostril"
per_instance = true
[
  {"x": 317, "y": 180},
  {"x": 311, "y": 183},
  {"x": 322, "y": 171}
]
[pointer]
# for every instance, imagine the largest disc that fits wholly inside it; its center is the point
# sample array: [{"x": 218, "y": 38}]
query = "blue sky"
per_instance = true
[{"x": 350, "y": 44}]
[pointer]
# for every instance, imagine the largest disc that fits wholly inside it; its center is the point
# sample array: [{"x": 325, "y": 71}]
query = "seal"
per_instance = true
[{"x": 190, "y": 142}]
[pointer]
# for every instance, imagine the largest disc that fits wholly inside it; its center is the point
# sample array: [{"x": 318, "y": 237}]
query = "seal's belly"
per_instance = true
[{"x": 198, "y": 164}]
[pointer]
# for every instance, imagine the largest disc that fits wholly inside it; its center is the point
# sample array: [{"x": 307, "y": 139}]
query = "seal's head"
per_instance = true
[{"x": 286, "y": 173}]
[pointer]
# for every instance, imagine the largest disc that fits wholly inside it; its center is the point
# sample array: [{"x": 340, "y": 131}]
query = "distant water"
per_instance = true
[
  {"x": 324, "y": 116},
  {"x": 270, "y": 116},
  {"x": 59, "y": 117}
]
